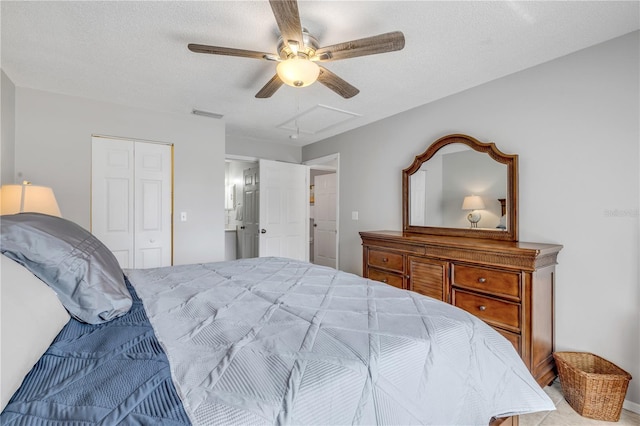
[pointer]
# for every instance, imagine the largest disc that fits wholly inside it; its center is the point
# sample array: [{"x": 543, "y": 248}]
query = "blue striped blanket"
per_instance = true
[{"x": 100, "y": 374}]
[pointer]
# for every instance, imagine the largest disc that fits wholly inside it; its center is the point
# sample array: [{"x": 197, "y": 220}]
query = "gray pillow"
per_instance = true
[{"x": 80, "y": 269}]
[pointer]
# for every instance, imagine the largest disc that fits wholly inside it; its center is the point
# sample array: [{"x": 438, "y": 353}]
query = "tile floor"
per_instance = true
[{"x": 564, "y": 415}]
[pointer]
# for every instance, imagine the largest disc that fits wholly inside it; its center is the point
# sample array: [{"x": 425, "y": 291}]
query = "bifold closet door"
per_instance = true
[{"x": 131, "y": 200}]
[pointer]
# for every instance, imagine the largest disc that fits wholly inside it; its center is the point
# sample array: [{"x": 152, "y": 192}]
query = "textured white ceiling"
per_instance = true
[{"x": 135, "y": 53}]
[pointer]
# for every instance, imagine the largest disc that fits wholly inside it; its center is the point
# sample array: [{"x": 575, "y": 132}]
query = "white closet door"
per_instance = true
[
  {"x": 131, "y": 200},
  {"x": 284, "y": 192},
  {"x": 152, "y": 243},
  {"x": 325, "y": 232},
  {"x": 112, "y": 197}
]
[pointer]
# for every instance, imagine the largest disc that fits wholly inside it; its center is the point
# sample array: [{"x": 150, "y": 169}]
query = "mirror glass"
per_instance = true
[
  {"x": 455, "y": 174},
  {"x": 461, "y": 187}
]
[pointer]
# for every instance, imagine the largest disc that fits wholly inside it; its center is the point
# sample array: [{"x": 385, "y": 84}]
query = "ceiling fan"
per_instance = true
[{"x": 299, "y": 53}]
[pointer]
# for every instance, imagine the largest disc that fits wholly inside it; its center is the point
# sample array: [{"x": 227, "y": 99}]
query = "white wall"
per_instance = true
[
  {"x": 574, "y": 122},
  {"x": 262, "y": 149},
  {"x": 7, "y": 126},
  {"x": 53, "y": 148}
]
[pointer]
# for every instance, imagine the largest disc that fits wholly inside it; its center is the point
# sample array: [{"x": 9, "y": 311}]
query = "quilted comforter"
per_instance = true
[{"x": 278, "y": 341}]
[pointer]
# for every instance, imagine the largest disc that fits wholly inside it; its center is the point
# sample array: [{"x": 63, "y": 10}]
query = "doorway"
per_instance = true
[
  {"x": 324, "y": 211},
  {"x": 270, "y": 216},
  {"x": 241, "y": 205}
]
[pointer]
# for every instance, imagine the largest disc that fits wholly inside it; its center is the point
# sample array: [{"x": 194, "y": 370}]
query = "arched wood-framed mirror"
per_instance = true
[{"x": 462, "y": 187}]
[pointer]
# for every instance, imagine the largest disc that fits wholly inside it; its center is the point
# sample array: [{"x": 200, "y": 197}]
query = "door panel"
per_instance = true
[
  {"x": 117, "y": 206},
  {"x": 250, "y": 196},
  {"x": 112, "y": 200},
  {"x": 429, "y": 277},
  {"x": 283, "y": 210},
  {"x": 325, "y": 232},
  {"x": 153, "y": 205}
]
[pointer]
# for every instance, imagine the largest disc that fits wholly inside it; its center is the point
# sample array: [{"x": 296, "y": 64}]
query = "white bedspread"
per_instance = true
[{"x": 278, "y": 341}]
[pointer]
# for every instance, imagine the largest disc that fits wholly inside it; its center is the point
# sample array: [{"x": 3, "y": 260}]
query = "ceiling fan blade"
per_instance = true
[
  {"x": 270, "y": 88},
  {"x": 229, "y": 51},
  {"x": 288, "y": 19},
  {"x": 387, "y": 42},
  {"x": 337, "y": 84}
]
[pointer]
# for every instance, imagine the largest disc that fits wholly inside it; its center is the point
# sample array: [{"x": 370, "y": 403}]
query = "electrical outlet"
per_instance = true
[
  {"x": 354, "y": 215},
  {"x": 183, "y": 216}
]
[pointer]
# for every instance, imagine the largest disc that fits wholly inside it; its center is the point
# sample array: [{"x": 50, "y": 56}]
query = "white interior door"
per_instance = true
[
  {"x": 131, "y": 200},
  {"x": 284, "y": 192},
  {"x": 152, "y": 244},
  {"x": 325, "y": 229},
  {"x": 248, "y": 232},
  {"x": 112, "y": 197}
]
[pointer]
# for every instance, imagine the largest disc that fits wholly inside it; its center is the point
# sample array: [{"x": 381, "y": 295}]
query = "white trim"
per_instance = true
[
  {"x": 234, "y": 157},
  {"x": 120, "y": 138},
  {"x": 631, "y": 406},
  {"x": 319, "y": 163}
]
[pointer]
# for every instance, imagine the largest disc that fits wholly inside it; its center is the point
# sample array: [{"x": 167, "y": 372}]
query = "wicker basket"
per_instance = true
[{"x": 593, "y": 386}]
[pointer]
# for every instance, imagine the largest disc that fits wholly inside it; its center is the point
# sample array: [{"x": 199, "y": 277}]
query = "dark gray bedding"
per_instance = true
[{"x": 81, "y": 270}]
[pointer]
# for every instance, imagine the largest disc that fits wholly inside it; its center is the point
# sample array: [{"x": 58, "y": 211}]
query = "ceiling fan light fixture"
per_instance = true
[{"x": 298, "y": 72}]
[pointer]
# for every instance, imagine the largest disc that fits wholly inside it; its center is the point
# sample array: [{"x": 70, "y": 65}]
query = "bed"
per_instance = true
[{"x": 253, "y": 341}]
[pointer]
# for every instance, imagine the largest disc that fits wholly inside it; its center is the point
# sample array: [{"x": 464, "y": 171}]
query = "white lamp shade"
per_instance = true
[
  {"x": 473, "y": 202},
  {"x": 28, "y": 198},
  {"x": 298, "y": 72}
]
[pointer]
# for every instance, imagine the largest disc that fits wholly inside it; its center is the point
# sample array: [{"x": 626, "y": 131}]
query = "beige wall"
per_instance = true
[
  {"x": 53, "y": 148},
  {"x": 574, "y": 122}
]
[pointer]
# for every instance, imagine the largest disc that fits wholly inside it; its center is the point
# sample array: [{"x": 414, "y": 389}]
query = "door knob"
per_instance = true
[
  {"x": 242, "y": 227},
  {"x": 263, "y": 231}
]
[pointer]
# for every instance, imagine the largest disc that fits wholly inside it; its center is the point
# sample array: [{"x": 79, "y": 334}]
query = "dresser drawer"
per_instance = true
[
  {"x": 501, "y": 283},
  {"x": 512, "y": 337},
  {"x": 495, "y": 312},
  {"x": 386, "y": 260},
  {"x": 385, "y": 277}
]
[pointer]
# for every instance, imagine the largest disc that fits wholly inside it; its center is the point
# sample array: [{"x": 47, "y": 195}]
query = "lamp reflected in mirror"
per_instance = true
[{"x": 473, "y": 203}]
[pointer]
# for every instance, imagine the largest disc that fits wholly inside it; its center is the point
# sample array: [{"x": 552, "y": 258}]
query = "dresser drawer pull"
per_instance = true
[
  {"x": 385, "y": 260},
  {"x": 384, "y": 280},
  {"x": 482, "y": 308},
  {"x": 482, "y": 280}
]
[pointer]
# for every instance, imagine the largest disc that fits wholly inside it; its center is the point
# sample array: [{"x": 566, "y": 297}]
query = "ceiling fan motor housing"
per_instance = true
[{"x": 288, "y": 49}]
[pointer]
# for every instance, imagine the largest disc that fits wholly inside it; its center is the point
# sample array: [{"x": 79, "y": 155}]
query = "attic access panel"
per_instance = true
[{"x": 317, "y": 119}]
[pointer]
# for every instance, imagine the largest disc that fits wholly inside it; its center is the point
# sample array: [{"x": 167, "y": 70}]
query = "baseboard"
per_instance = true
[{"x": 631, "y": 406}]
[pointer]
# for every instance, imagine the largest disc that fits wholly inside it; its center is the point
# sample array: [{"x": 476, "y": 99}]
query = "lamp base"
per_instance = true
[{"x": 473, "y": 218}]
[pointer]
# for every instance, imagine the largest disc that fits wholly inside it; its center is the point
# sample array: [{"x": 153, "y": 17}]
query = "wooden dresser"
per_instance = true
[{"x": 510, "y": 285}]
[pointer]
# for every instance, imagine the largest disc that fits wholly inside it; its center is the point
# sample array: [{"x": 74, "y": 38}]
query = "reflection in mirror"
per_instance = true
[
  {"x": 453, "y": 169},
  {"x": 439, "y": 188}
]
